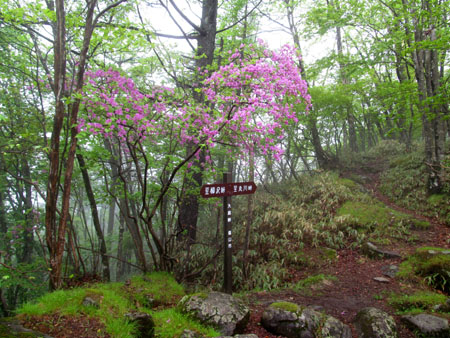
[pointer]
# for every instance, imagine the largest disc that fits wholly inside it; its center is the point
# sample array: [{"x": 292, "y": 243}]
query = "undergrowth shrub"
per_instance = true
[{"x": 284, "y": 223}]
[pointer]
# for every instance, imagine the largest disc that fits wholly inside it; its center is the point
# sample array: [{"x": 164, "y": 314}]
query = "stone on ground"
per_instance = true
[
  {"x": 292, "y": 321},
  {"x": 371, "y": 322},
  {"x": 428, "y": 325},
  {"x": 228, "y": 314},
  {"x": 372, "y": 251}
]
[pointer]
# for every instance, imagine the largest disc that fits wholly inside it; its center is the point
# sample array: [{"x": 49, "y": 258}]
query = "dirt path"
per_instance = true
[{"x": 355, "y": 287}]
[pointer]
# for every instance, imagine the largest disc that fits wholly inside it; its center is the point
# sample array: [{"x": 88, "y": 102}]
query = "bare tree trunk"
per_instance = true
[
  {"x": 249, "y": 218},
  {"x": 120, "y": 256},
  {"x": 28, "y": 213},
  {"x": 95, "y": 218}
]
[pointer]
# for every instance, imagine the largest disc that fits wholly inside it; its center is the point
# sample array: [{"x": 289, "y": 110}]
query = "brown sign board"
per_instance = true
[{"x": 227, "y": 189}]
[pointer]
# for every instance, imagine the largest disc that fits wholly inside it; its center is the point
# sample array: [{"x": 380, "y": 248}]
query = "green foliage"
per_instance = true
[
  {"x": 171, "y": 323},
  {"x": 265, "y": 276},
  {"x": 431, "y": 264},
  {"x": 25, "y": 281},
  {"x": 416, "y": 302}
]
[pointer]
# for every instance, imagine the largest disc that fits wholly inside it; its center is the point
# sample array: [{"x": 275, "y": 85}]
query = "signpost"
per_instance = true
[{"x": 226, "y": 190}]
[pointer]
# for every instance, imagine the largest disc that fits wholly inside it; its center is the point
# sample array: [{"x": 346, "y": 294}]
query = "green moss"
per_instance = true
[
  {"x": 328, "y": 254},
  {"x": 310, "y": 281},
  {"x": 171, "y": 323},
  {"x": 155, "y": 289},
  {"x": 432, "y": 264},
  {"x": 287, "y": 306},
  {"x": 424, "y": 300},
  {"x": 366, "y": 214},
  {"x": 348, "y": 183},
  {"x": 379, "y": 223}
]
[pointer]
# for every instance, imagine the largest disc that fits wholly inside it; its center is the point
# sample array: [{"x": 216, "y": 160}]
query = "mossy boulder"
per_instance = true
[
  {"x": 294, "y": 321},
  {"x": 431, "y": 263},
  {"x": 220, "y": 310},
  {"x": 371, "y": 322}
]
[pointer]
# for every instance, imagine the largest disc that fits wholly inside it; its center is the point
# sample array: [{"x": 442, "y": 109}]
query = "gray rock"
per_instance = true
[
  {"x": 381, "y": 279},
  {"x": 144, "y": 322},
  {"x": 190, "y": 334},
  {"x": 229, "y": 315},
  {"x": 372, "y": 251},
  {"x": 371, "y": 322},
  {"x": 431, "y": 326},
  {"x": 88, "y": 301},
  {"x": 293, "y": 321},
  {"x": 390, "y": 270}
]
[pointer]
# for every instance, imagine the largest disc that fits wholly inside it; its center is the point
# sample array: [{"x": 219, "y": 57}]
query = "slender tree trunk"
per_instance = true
[
  {"x": 95, "y": 218},
  {"x": 120, "y": 256},
  {"x": 28, "y": 237},
  {"x": 249, "y": 218}
]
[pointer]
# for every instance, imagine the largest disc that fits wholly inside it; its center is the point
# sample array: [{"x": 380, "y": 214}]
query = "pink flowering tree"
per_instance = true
[{"x": 248, "y": 104}]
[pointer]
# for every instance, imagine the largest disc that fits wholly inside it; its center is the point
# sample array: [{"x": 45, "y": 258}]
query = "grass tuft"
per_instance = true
[
  {"x": 170, "y": 323},
  {"x": 416, "y": 302}
]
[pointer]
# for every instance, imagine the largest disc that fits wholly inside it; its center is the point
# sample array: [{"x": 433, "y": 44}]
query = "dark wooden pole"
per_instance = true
[{"x": 227, "y": 277}]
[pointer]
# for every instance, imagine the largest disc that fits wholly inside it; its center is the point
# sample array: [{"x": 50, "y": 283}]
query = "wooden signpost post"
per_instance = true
[{"x": 226, "y": 190}]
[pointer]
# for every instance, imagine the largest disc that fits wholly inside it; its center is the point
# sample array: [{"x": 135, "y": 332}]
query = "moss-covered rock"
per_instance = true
[
  {"x": 430, "y": 263},
  {"x": 229, "y": 315},
  {"x": 371, "y": 322},
  {"x": 293, "y": 321}
]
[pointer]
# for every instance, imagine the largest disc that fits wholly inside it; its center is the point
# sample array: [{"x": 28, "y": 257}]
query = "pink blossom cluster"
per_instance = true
[{"x": 248, "y": 102}]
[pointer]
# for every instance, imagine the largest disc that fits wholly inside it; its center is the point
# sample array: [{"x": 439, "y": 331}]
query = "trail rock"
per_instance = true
[
  {"x": 292, "y": 321},
  {"x": 229, "y": 315},
  {"x": 381, "y": 279},
  {"x": 390, "y": 270},
  {"x": 372, "y": 251},
  {"x": 430, "y": 326},
  {"x": 144, "y": 323},
  {"x": 190, "y": 334},
  {"x": 371, "y": 322},
  {"x": 88, "y": 301}
]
